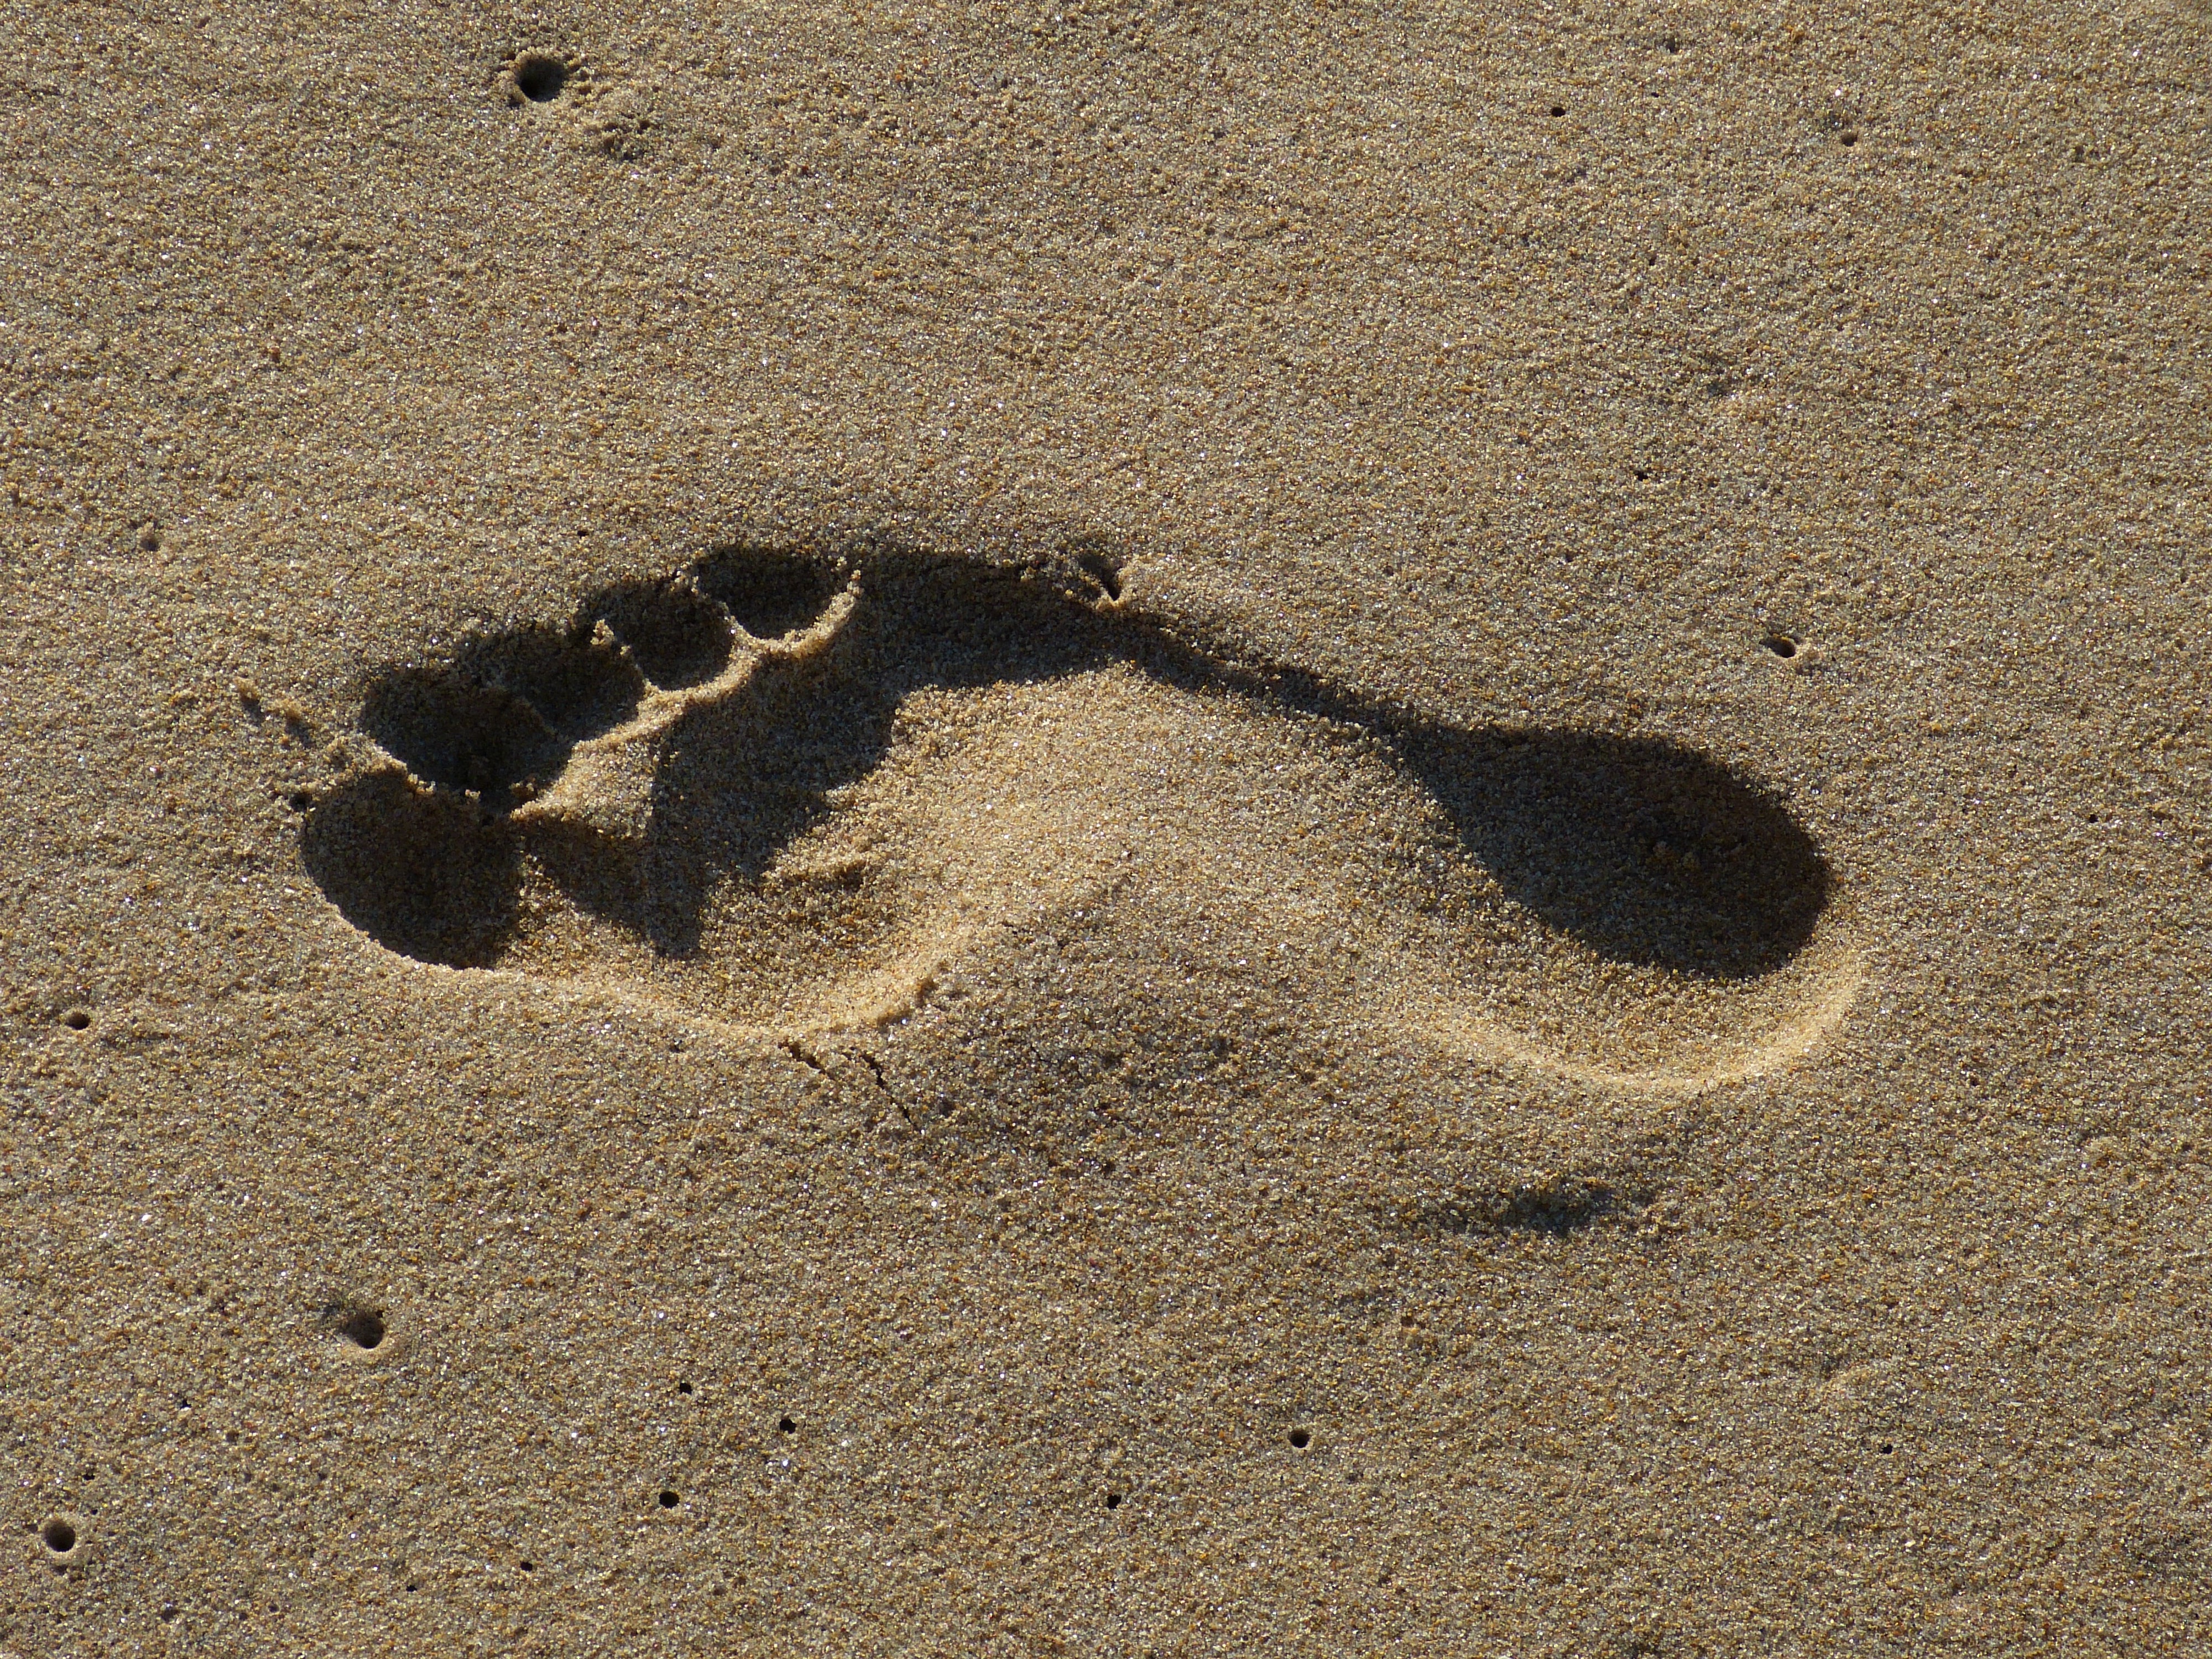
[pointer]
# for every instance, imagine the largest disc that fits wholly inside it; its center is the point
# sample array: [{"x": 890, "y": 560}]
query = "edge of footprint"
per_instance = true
[
  {"x": 1834, "y": 988},
  {"x": 900, "y": 990}
]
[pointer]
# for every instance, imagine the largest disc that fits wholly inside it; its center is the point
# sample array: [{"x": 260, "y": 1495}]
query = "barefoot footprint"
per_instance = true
[{"x": 792, "y": 790}]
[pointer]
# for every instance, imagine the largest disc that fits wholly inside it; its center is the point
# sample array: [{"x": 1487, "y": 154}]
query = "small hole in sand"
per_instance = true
[
  {"x": 60, "y": 1537},
  {"x": 683, "y": 1387},
  {"x": 298, "y": 800},
  {"x": 1886, "y": 1449},
  {"x": 1558, "y": 110},
  {"x": 77, "y": 1019},
  {"x": 1300, "y": 1438},
  {"x": 785, "y": 1425},
  {"x": 669, "y": 1500},
  {"x": 1781, "y": 645},
  {"x": 1850, "y": 137},
  {"x": 539, "y": 76},
  {"x": 1112, "y": 1500},
  {"x": 530, "y": 1567},
  {"x": 363, "y": 1327}
]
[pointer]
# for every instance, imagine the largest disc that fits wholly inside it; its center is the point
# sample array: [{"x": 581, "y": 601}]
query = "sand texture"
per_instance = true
[{"x": 1104, "y": 829}]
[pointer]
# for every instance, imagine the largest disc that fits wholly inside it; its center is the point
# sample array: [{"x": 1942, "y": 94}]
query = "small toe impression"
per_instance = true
[
  {"x": 507, "y": 711},
  {"x": 676, "y": 635},
  {"x": 770, "y": 595},
  {"x": 426, "y": 872},
  {"x": 450, "y": 729},
  {"x": 579, "y": 679}
]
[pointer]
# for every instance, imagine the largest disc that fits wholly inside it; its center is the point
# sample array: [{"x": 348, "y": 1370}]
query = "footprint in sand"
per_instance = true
[{"x": 794, "y": 790}]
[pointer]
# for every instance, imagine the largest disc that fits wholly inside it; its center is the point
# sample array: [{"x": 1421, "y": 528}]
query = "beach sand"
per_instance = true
[{"x": 1138, "y": 830}]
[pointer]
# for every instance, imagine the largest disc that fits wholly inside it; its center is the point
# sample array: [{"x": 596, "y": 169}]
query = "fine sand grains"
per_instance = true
[{"x": 1130, "y": 829}]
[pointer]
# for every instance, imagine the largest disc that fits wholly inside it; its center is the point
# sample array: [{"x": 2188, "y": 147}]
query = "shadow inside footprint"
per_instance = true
[
  {"x": 449, "y": 728},
  {"x": 580, "y": 680},
  {"x": 1646, "y": 851},
  {"x": 425, "y": 871},
  {"x": 767, "y": 596},
  {"x": 677, "y": 635}
]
